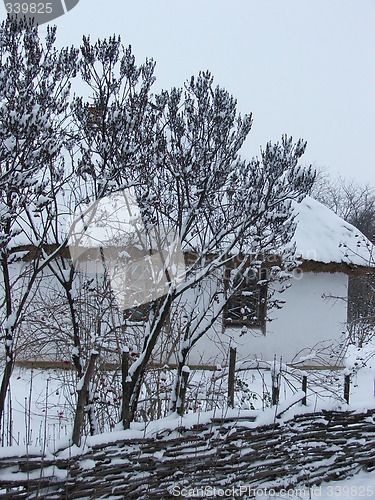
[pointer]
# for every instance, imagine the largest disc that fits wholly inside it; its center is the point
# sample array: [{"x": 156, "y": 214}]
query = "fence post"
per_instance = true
[
  {"x": 231, "y": 376},
  {"x": 182, "y": 392},
  {"x": 275, "y": 377},
  {"x": 347, "y": 388},
  {"x": 304, "y": 388}
]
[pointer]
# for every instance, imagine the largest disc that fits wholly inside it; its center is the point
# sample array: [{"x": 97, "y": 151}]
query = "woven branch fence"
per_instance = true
[{"x": 226, "y": 453}]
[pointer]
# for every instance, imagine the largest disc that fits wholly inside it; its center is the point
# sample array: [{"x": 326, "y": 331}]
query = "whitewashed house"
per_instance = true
[
  {"x": 309, "y": 328},
  {"x": 312, "y": 324}
]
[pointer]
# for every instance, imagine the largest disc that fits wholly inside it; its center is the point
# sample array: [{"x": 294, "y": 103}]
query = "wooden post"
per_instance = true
[
  {"x": 275, "y": 377},
  {"x": 231, "y": 376},
  {"x": 275, "y": 394},
  {"x": 304, "y": 388},
  {"x": 347, "y": 388},
  {"x": 182, "y": 392},
  {"x": 125, "y": 389}
]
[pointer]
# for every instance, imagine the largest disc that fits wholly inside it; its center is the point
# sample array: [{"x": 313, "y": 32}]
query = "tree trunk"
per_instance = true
[
  {"x": 137, "y": 376},
  {"x": 125, "y": 390},
  {"x": 9, "y": 358},
  {"x": 178, "y": 380},
  {"x": 82, "y": 399},
  {"x": 91, "y": 413},
  {"x": 76, "y": 356},
  {"x": 5, "y": 383}
]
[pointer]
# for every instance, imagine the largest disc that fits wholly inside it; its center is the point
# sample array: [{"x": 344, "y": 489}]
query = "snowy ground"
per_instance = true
[
  {"x": 42, "y": 401},
  {"x": 42, "y": 409}
]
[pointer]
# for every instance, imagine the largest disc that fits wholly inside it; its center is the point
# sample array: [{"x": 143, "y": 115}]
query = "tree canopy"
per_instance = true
[{"x": 178, "y": 152}]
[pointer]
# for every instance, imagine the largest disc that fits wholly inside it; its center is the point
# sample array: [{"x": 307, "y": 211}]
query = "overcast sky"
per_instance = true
[{"x": 304, "y": 68}]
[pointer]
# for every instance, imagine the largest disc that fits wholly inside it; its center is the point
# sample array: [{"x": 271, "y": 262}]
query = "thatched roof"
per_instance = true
[{"x": 324, "y": 238}]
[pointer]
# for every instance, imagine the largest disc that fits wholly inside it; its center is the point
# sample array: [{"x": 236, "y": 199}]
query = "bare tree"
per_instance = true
[
  {"x": 351, "y": 200},
  {"x": 220, "y": 206},
  {"x": 115, "y": 134},
  {"x": 34, "y": 87},
  {"x": 178, "y": 153},
  {"x": 355, "y": 203}
]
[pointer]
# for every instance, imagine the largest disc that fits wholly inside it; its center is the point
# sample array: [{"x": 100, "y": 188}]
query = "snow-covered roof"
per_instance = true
[{"x": 323, "y": 236}]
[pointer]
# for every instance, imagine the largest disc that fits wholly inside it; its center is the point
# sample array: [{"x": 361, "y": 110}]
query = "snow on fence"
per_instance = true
[{"x": 226, "y": 453}]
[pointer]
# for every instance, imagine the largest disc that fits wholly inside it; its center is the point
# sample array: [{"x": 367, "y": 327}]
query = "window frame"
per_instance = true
[{"x": 262, "y": 291}]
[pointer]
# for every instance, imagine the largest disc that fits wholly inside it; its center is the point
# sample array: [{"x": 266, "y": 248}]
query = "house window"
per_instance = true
[
  {"x": 95, "y": 115},
  {"x": 247, "y": 305},
  {"x": 137, "y": 314}
]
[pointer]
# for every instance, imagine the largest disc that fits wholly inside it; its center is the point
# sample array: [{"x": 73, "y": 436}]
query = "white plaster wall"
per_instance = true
[{"x": 306, "y": 319}]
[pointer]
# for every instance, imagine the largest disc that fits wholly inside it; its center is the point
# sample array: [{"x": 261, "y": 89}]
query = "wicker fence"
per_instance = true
[{"x": 226, "y": 453}]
